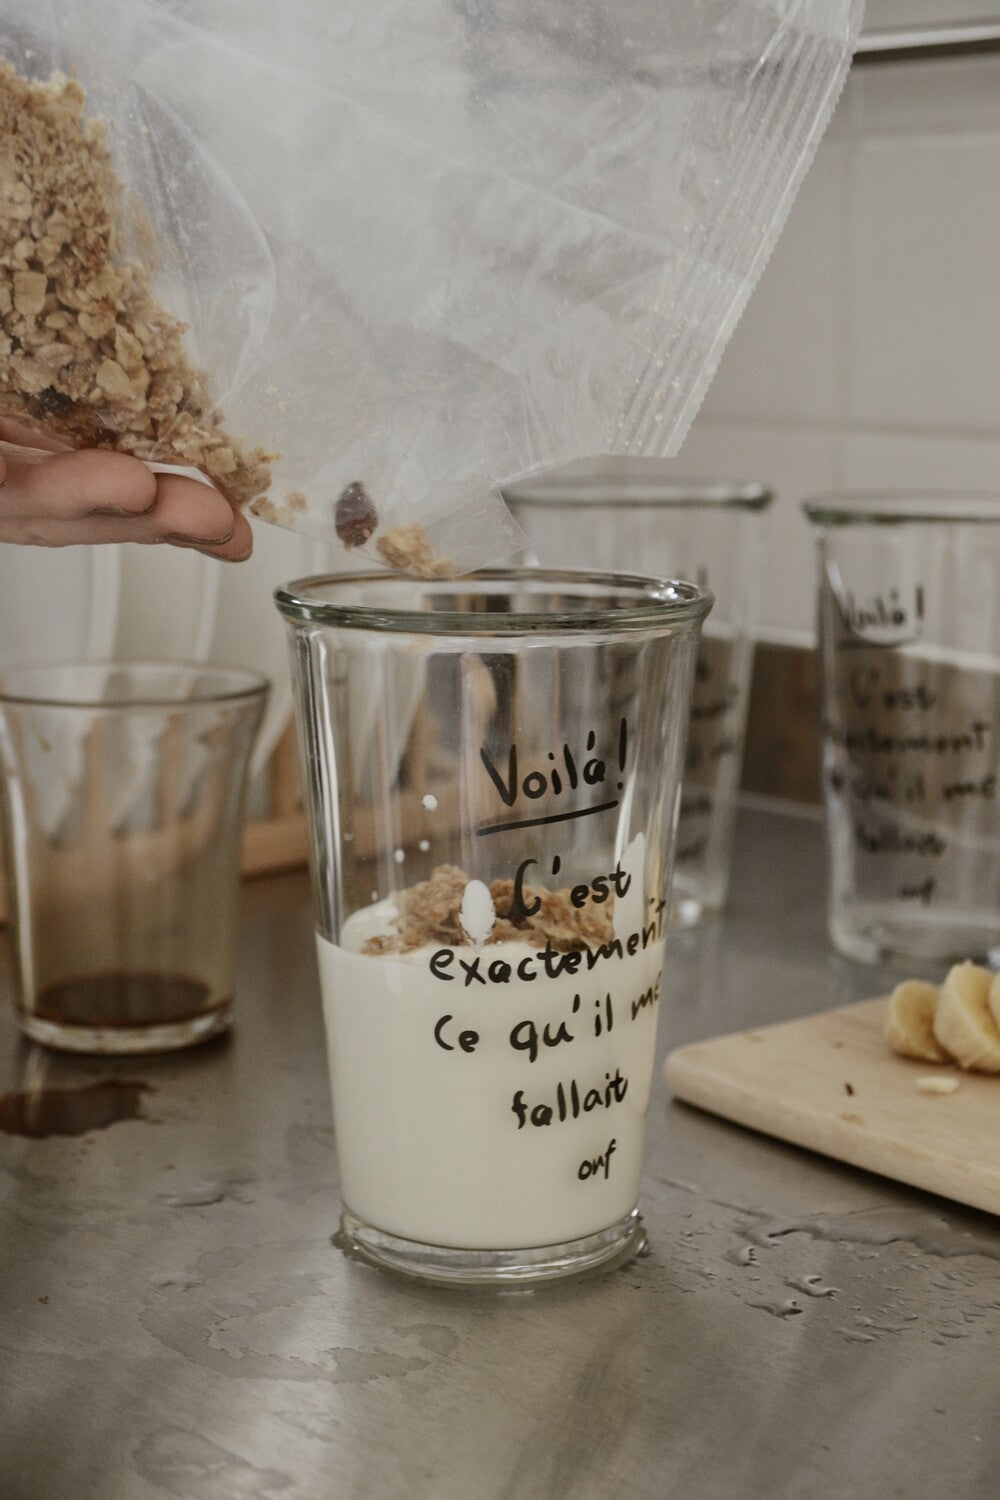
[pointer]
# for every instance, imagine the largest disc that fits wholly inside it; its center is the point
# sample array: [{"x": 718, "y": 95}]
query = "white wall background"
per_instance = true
[{"x": 869, "y": 355}]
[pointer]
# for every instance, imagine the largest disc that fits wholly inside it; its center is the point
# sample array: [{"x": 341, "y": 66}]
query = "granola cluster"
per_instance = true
[
  {"x": 408, "y": 548},
  {"x": 85, "y": 348},
  {"x": 429, "y": 913}
]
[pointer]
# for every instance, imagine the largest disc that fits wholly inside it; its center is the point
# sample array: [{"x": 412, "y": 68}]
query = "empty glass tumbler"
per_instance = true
[
  {"x": 492, "y": 766},
  {"x": 909, "y": 631},
  {"x": 122, "y": 801},
  {"x": 633, "y": 514}
]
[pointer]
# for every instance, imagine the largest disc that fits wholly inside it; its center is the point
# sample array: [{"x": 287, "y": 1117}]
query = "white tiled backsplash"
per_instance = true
[{"x": 869, "y": 356}]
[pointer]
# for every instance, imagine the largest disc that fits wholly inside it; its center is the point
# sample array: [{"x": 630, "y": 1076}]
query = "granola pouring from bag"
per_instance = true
[
  {"x": 421, "y": 250},
  {"x": 88, "y": 350}
]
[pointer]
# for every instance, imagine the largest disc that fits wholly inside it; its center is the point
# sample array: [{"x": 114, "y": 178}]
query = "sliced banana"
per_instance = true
[
  {"x": 993, "y": 998},
  {"x": 909, "y": 1026},
  {"x": 963, "y": 1024}
]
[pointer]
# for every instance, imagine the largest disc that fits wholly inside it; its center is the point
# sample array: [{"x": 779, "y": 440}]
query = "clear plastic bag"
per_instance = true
[{"x": 426, "y": 247}]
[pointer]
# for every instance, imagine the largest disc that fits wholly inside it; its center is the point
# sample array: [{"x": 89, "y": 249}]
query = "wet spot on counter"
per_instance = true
[
  {"x": 38, "y": 1113},
  {"x": 199, "y": 1195},
  {"x": 186, "y": 1464},
  {"x": 358, "y": 1366},
  {"x": 207, "y": 1190},
  {"x": 177, "y": 1279},
  {"x": 233, "y": 1313},
  {"x": 437, "y": 1338}
]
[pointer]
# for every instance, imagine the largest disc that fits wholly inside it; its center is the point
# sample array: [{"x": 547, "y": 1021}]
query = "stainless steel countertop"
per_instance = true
[{"x": 176, "y": 1322}]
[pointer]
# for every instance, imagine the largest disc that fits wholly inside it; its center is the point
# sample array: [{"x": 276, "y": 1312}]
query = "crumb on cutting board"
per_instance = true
[{"x": 936, "y": 1083}]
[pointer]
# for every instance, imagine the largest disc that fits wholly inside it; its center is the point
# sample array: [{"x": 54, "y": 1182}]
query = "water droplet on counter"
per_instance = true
[
  {"x": 787, "y": 1309},
  {"x": 855, "y": 1336},
  {"x": 882, "y": 1327},
  {"x": 813, "y": 1286},
  {"x": 199, "y": 1195},
  {"x": 931, "y": 1234},
  {"x": 37, "y": 1113}
]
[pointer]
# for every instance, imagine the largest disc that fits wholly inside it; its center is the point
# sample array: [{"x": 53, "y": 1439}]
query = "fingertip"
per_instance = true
[{"x": 235, "y": 549}]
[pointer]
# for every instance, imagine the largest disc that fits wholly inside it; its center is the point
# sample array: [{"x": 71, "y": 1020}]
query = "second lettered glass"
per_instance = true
[{"x": 634, "y": 514}]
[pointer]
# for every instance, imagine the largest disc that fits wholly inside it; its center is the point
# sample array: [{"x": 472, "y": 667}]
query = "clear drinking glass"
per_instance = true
[
  {"x": 122, "y": 804},
  {"x": 634, "y": 514},
  {"x": 492, "y": 767},
  {"x": 909, "y": 631}
]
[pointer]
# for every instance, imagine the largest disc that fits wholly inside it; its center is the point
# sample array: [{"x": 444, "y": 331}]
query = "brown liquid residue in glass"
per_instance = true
[{"x": 122, "y": 999}]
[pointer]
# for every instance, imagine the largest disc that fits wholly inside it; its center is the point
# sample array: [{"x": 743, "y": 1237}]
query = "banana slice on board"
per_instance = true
[
  {"x": 909, "y": 1027},
  {"x": 993, "y": 999},
  {"x": 963, "y": 1023}
]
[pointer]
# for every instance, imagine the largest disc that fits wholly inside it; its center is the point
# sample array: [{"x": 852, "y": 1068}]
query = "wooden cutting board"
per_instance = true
[{"x": 829, "y": 1082}]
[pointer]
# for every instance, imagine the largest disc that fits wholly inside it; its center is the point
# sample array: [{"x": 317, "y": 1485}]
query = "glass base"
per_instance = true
[
  {"x": 884, "y": 938},
  {"x": 110, "y": 1041},
  {"x": 493, "y": 1269}
]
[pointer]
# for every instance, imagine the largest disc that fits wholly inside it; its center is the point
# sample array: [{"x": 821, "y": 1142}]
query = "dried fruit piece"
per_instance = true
[{"x": 354, "y": 515}]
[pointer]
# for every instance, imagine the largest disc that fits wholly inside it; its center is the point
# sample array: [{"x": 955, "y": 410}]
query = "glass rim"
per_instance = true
[
  {"x": 252, "y": 684},
  {"x": 658, "y": 601},
  {"x": 635, "y": 490},
  {"x": 898, "y": 507}
]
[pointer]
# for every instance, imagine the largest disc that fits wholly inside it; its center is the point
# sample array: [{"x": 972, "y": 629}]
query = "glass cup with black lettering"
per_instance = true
[
  {"x": 492, "y": 765},
  {"x": 630, "y": 514},
  {"x": 909, "y": 631},
  {"x": 121, "y": 805}
]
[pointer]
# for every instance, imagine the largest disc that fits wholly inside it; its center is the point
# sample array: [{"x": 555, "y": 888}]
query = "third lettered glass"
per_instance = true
[{"x": 909, "y": 628}]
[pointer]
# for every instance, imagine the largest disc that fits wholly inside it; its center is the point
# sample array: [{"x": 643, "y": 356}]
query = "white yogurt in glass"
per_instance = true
[{"x": 491, "y": 1097}]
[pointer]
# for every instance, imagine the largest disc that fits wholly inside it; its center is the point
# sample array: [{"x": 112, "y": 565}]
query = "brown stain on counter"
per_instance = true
[{"x": 39, "y": 1113}]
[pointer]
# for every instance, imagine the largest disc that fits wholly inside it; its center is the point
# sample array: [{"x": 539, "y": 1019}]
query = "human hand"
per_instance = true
[{"x": 55, "y": 496}]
